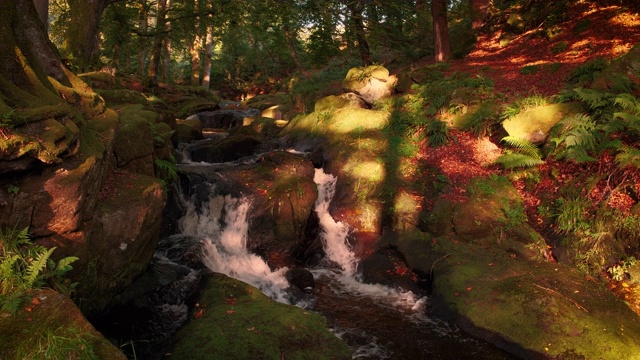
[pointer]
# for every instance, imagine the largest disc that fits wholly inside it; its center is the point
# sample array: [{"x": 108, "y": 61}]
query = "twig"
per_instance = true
[
  {"x": 557, "y": 293},
  {"x": 434, "y": 264}
]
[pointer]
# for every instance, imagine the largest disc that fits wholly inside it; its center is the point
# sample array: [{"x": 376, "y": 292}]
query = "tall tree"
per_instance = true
[
  {"x": 442, "y": 45},
  {"x": 82, "y": 34},
  {"x": 356, "y": 8},
  {"x": 158, "y": 40}
]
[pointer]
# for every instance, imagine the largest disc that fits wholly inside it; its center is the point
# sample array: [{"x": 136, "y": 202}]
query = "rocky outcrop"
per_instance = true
[
  {"x": 492, "y": 275},
  {"x": 371, "y": 83},
  {"x": 235, "y": 320},
  {"x": 51, "y": 326}
]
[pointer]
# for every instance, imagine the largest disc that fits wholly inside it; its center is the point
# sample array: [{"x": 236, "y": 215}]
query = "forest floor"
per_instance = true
[{"x": 532, "y": 63}]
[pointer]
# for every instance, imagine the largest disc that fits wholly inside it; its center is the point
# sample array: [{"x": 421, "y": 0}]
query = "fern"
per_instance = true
[
  {"x": 628, "y": 156},
  {"x": 515, "y": 160},
  {"x": 34, "y": 270},
  {"x": 437, "y": 133},
  {"x": 523, "y": 146}
]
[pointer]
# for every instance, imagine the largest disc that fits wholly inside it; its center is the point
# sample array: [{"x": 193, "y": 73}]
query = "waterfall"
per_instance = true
[
  {"x": 334, "y": 234},
  {"x": 222, "y": 225},
  {"x": 337, "y": 249}
]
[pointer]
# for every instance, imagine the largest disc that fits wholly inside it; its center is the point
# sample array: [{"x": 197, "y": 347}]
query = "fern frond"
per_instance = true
[
  {"x": 631, "y": 120},
  {"x": 64, "y": 265},
  {"x": 577, "y": 153},
  {"x": 627, "y": 102},
  {"x": 594, "y": 98},
  {"x": 628, "y": 156},
  {"x": 510, "y": 161},
  {"x": 34, "y": 270},
  {"x": 523, "y": 146}
]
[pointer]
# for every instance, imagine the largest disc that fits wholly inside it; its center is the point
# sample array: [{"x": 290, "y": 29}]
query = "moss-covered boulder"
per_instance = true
[
  {"x": 101, "y": 80},
  {"x": 621, "y": 73},
  {"x": 122, "y": 239},
  {"x": 268, "y": 127},
  {"x": 134, "y": 142},
  {"x": 50, "y": 326},
  {"x": 371, "y": 82},
  {"x": 333, "y": 102},
  {"x": 235, "y": 320},
  {"x": 492, "y": 276},
  {"x": 124, "y": 96},
  {"x": 534, "y": 124}
]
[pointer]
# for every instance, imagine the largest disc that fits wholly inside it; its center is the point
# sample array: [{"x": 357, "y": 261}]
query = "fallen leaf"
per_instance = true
[
  {"x": 251, "y": 328},
  {"x": 230, "y": 312},
  {"x": 199, "y": 314}
]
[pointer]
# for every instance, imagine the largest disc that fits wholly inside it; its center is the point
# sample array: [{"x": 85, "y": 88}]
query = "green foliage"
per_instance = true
[
  {"x": 529, "y": 70},
  {"x": 584, "y": 137},
  {"x": 570, "y": 215},
  {"x": 522, "y": 153},
  {"x": 523, "y": 104},
  {"x": 586, "y": 73},
  {"x": 25, "y": 266},
  {"x": 166, "y": 170},
  {"x": 581, "y": 26},
  {"x": 437, "y": 133},
  {"x": 514, "y": 216},
  {"x": 61, "y": 343},
  {"x": 559, "y": 47},
  {"x": 482, "y": 121}
]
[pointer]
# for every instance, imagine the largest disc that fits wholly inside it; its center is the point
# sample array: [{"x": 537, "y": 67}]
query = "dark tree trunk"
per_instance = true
[
  {"x": 158, "y": 39},
  {"x": 42, "y": 7},
  {"x": 479, "y": 11},
  {"x": 82, "y": 35},
  {"x": 355, "y": 8},
  {"x": 442, "y": 46}
]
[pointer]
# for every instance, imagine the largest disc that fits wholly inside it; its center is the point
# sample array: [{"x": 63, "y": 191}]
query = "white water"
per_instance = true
[
  {"x": 222, "y": 225},
  {"x": 334, "y": 238}
]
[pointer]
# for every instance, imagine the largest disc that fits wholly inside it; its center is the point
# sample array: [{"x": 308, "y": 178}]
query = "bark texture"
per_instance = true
[{"x": 442, "y": 45}]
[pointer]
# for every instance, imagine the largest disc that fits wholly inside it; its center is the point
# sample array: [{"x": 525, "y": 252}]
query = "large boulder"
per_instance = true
[
  {"x": 230, "y": 148},
  {"x": 134, "y": 142},
  {"x": 534, "y": 124},
  {"x": 371, "y": 83},
  {"x": 52, "y": 327},
  {"x": 492, "y": 275},
  {"x": 235, "y": 320}
]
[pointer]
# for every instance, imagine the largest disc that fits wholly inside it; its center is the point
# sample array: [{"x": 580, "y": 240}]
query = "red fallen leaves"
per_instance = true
[{"x": 231, "y": 301}]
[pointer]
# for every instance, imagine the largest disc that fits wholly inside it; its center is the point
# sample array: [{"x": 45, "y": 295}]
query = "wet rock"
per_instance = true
[
  {"x": 301, "y": 278},
  {"x": 225, "y": 150}
]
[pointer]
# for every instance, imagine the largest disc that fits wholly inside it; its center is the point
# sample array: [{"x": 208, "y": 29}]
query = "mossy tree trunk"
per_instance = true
[
  {"x": 82, "y": 34},
  {"x": 34, "y": 84}
]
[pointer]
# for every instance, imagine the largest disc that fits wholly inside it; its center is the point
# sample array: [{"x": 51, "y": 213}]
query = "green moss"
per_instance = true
[
  {"x": 237, "y": 321},
  {"x": 52, "y": 328},
  {"x": 538, "y": 120}
]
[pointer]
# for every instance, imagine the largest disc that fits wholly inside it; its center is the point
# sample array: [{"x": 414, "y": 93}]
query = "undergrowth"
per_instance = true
[{"x": 25, "y": 266}]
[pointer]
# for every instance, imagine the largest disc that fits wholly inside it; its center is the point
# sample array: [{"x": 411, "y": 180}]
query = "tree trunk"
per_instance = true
[
  {"x": 82, "y": 34},
  {"x": 156, "y": 52},
  {"x": 479, "y": 11},
  {"x": 142, "y": 41},
  {"x": 195, "y": 47},
  {"x": 442, "y": 46},
  {"x": 42, "y": 7},
  {"x": 166, "y": 65},
  {"x": 422, "y": 20},
  {"x": 208, "y": 54},
  {"x": 355, "y": 8}
]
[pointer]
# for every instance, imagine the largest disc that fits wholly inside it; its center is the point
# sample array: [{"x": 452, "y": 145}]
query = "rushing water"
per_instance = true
[{"x": 378, "y": 322}]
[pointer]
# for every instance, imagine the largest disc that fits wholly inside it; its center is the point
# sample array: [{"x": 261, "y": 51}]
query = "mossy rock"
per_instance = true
[
  {"x": 534, "y": 124},
  {"x": 135, "y": 138},
  {"x": 101, "y": 80},
  {"x": 235, "y": 320},
  {"x": 624, "y": 70},
  {"x": 192, "y": 105},
  {"x": 531, "y": 309},
  {"x": 334, "y": 102},
  {"x": 265, "y": 101},
  {"x": 50, "y": 326},
  {"x": 267, "y": 127},
  {"x": 123, "y": 96},
  {"x": 372, "y": 82}
]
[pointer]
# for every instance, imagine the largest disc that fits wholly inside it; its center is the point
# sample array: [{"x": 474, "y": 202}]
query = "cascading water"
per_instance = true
[{"x": 222, "y": 225}]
